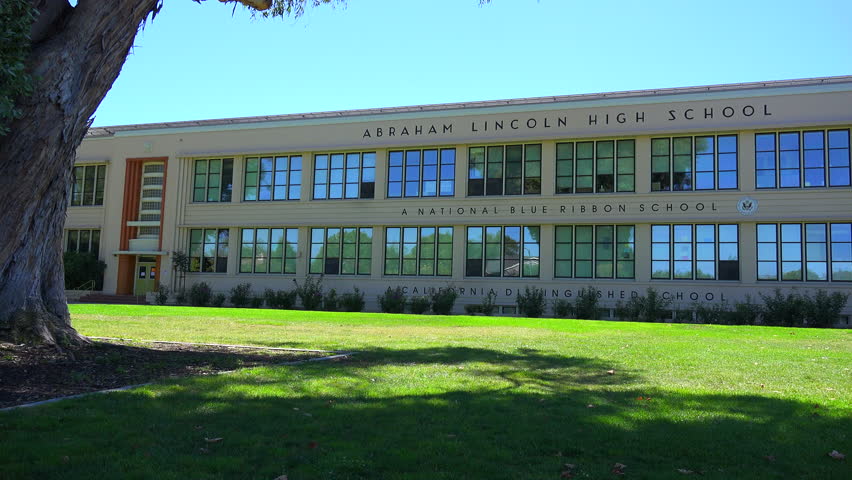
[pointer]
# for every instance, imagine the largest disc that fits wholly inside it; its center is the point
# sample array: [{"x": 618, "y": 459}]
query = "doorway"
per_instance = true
[{"x": 146, "y": 275}]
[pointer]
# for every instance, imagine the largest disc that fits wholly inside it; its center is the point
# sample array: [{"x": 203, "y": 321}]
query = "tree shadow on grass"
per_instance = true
[{"x": 431, "y": 413}]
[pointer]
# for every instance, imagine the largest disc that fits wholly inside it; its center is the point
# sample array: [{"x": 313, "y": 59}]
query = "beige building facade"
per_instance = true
[{"x": 707, "y": 194}]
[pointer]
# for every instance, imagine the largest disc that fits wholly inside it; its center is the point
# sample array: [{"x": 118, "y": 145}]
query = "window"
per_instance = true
[
  {"x": 419, "y": 251},
  {"x": 796, "y": 159},
  {"x": 344, "y": 175},
  {"x": 421, "y": 173},
  {"x": 88, "y": 186},
  {"x": 595, "y": 251},
  {"x": 208, "y": 250},
  {"x": 213, "y": 180},
  {"x": 504, "y": 170},
  {"x": 83, "y": 241},
  {"x": 603, "y": 166},
  {"x": 273, "y": 178},
  {"x": 341, "y": 251},
  {"x": 694, "y": 163},
  {"x": 502, "y": 251},
  {"x": 269, "y": 250},
  {"x": 695, "y": 252},
  {"x": 824, "y": 250}
]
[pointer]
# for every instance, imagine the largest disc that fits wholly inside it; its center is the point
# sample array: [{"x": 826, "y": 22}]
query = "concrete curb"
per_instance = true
[{"x": 220, "y": 345}]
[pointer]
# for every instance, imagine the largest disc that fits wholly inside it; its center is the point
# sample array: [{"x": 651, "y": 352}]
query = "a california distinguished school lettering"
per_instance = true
[
  {"x": 572, "y": 209},
  {"x": 565, "y": 121}
]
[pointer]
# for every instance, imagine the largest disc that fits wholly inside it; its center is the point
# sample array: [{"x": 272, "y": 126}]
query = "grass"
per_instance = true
[{"x": 455, "y": 397}]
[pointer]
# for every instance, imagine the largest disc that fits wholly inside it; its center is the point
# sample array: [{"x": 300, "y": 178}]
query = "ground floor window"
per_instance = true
[
  {"x": 510, "y": 251},
  {"x": 804, "y": 252},
  {"x": 426, "y": 251},
  {"x": 269, "y": 250},
  {"x": 208, "y": 250},
  {"x": 599, "y": 251},
  {"x": 695, "y": 252},
  {"x": 341, "y": 250},
  {"x": 83, "y": 241}
]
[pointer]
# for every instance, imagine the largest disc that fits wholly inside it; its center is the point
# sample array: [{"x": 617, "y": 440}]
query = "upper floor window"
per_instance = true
[
  {"x": 341, "y": 251},
  {"x": 796, "y": 159},
  {"x": 208, "y": 250},
  {"x": 273, "y": 178},
  {"x": 421, "y": 173},
  {"x": 694, "y": 163},
  {"x": 695, "y": 252},
  {"x": 83, "y": 241},
  {"x": 213, "y": 180},
  {"x": 419, "y": 251},
  {"x": 269, "y": 250},
  {"x": 504, "y": 170},
  {"x": 599, "y": 251},
  {"x": 344, "y": 175},
  {"x": 88, "y": 186},
  {"x": 511, "y": 251},
  {"x": 603, "y": 166},
  {"x": 809, "y": 252}
]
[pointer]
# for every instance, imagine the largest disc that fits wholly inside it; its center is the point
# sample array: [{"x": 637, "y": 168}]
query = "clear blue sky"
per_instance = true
[{"x": 197, "y": 61}]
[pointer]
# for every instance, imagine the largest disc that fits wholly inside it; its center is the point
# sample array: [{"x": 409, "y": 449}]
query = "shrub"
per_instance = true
[
  {"x": 241, "y": 295},
  {"x": 629, "y": 311},
  {"x": 745, "y": 313},
  {"x": 310, "y": 293},
  {"x": 279, "y": 298},
  {"x": 531, "y": 303},
  {"x": 331, "y": 301},
  {"x": 199, "y": 294},
  {"x": 714, "y": 313},
  {"x": 443, "y": 300},
  {"x": 586, "y": 306},
  {"x": 181, "y": 296},
  {"x": 654, "y": 306},
  {"x": 562, "y": 308},
  {"x": 392, "y": 301},
  {"x": 487, "y": 307},
  {"x": 352, "y": 301},
  {"x": 81, "y": 268},
  {"x": 419, "y": 305},
  {"x": 162, "y": 296},
  {"x": 786, "y": 310},
  {"x": 683, "y": 315},
  {"x": 256, "y": 302},
  {"x": 472, "y": 309},
  {"x": 823, "y": 310},
  {"x": 218, "y": 299}
]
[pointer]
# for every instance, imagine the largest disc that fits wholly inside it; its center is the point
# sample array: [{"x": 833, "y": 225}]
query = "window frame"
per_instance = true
[
  {"x": 695, "y": 259},
  {"x": 273, "y": 186},
  {"x": 219, "y": 261},
  {"x": 418, "y": 246},
  {"x": 253, "y": 245},
  {"x": 80, "y": 188},
  {"x": 617, "y": 159},
  {"x": 830, "y": 248},
  {"x": 826, "y": 169},
  {"x": 694, "y": 153},
  {"x": 93, "y": 241},
  {"x": 404, "y": 173},
  {"x": 595, "y": 245},
  {"x": 525, "y": 180},
  {"x": 360, "y": 259},
  {"x": 484, "y": 258},
  {"x": 366, "y": 189},
  {"x": 226, "y": 191}
]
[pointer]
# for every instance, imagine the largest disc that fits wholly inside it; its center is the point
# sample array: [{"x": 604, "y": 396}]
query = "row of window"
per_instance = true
[
  {"x": 787, "y": 251},
  {"x": 83, "y": 241},
  {"x": 810, "y": 158}
]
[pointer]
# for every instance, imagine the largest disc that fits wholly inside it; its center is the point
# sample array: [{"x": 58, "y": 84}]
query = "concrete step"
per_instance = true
[{"x": 113, "y": 299}]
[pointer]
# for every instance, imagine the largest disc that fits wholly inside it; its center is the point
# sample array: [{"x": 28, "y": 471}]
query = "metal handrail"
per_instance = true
[{"x": 90, "y": 286}]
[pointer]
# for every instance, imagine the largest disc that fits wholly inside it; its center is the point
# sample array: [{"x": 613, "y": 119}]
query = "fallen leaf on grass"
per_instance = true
[
  {"x": 213, "y": 440},
  {"x": 590, "y": 406},
  {"x": 203, "y": 450},
  {"x": 282, "y": 477},
  {"x": 836, "y": 455},
  {"x": 199, "y": 427},
  {"x": 769, "y": 458},
  {"x": 568, "y": 471},
  {"x": 610, "y": 372},
  {"x": 618, "y": 468},
  {"x": 685, "y": 471},
  {"x": 313, "y": 445}
]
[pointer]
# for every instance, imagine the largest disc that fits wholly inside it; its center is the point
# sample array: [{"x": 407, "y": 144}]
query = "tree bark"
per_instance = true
[{"x": 73, "y": 66}]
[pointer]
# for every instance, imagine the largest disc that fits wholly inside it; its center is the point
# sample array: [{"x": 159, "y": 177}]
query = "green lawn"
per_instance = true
[{"x": 455, "y": 397}]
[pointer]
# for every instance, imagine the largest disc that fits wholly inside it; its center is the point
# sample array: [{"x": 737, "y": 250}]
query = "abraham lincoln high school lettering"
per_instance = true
[{"x": 706, "y": 194}]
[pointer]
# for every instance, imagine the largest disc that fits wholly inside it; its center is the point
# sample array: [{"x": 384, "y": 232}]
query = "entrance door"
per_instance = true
[{"x": 146, "y": 275}]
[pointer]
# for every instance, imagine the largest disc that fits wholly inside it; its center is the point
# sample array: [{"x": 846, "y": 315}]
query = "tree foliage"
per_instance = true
[{"x": 16, "y": 18}]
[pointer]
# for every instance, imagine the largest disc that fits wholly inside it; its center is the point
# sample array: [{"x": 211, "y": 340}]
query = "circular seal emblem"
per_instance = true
[{"x": 747, "y": 206}]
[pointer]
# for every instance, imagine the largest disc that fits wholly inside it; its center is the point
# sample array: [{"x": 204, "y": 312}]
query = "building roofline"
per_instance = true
[{"x": 108, "y": 131}]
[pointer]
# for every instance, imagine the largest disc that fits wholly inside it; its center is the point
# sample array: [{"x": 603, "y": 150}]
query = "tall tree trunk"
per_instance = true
[{"x": 73, "y": 66}]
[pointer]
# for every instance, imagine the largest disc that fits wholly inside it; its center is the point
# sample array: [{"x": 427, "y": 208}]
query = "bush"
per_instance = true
[
  {"x": 487, "y": 307},
  {"x": 784, "y": 310},
  {"x": 649, "y": 308},
  {"x": 330, "y": 301},
  {"x": 310, "y": 293},
  {"x": 241, "y": 295},
  {"x": 81, "y": 268},
  {"x": 531, "y": 303},
  {"x": 162, "y": 296},
  {"x": 684, "y": 315},
  {"x": 352, "y": 301},
  {"x": 586, "y": 306},
  {"x": 443, "y": 300},
  {"x": 392, "y": 301},
  {"x": 562, "y": 308},
  {"x": 181, "y": 296},
  {"x": 199, "y": 294},
  {"x": 712, "y": 314},
  {"x": 218, "y": 299},
  {"x": 419, "y": 305},
  {"x": 256, "y": 302},
  {"x": 745, "y": 313},
  {"x": 823, "y": 310},
  {"x": 279, "y": 298},
  {"x": 629, "y": 311},
  {"x": 472, "y": 309}
]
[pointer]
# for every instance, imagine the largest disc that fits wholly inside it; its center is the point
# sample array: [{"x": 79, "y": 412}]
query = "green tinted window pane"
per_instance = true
[
  {"x": 533, "y": 152},
  {"x": 349, "y": 250},
  {"x": 365, "y": 250},
  {"x": 682, "y": 146},
  {"x": 427, "y": 267},
  {"x": 276, "y": 265},
  {"x": 316, "y": 266},
  {"x": 660, "y": 164},
  {"x": 391, "y": 267},
  {"x": 660, "y": 146},
  {"x": 626, "y": 165},
  {"x": 626, "y": 148},
  {"x": 245, "y": 265},
  {"x": 603, "y": 269},
  {"x": 563, "y": 251},
  {"x": 347, "y": 267},
  {"x": 585, "y": 167},
  {"x": 584, "y": 269},
  {"x": 682, "y": 163},
  {"x": 624, "y": 233},
  {"x": 564, "y": 151},
  {"x": 564, "y": 234},
  {"x": 474, "y": 251},
  {"x": 445, "y": 235},
  {"x": 251, "y": 164},
  {"x": 585, "y": 150},
  {"x": 605, "y": 233},
  {"x": 363, "y": 267},
  {"x": 626, "y": 183},
  {"x": 563, "y": 268},
  {"x": 533, "y": 169},
  {"x": 565, "y": 168},
  {"x": 625, "y": 269},
  {"x": 605, "y": 166},
  {"x": 605, "y": 149},
  {"x": 445, "y": 251},
  {"x": 445, "y": 267},
  {"x": 583, "y": 233},
  {"x": 409, "y": 267},
  {"x": 290, "y": 265},
  {"x": 531, "y": 268}
]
